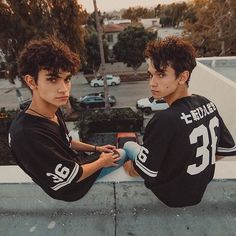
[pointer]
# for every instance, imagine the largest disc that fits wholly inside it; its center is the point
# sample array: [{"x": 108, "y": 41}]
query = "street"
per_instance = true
[{"x": 127, "y": 93}]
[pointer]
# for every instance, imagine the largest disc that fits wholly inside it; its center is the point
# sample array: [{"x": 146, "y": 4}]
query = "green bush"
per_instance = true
[
  {"x": 6, "y": 117},
  {"x": 113, "y": 120}
]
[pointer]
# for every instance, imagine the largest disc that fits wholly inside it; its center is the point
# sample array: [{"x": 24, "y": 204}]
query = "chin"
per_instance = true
[
  {"x": 157, "y": 97},
  {"x": 62, "y": 104}
]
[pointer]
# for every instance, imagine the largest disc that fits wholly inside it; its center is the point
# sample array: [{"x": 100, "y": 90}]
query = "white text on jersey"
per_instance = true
[{"x": 198, "y": 113}]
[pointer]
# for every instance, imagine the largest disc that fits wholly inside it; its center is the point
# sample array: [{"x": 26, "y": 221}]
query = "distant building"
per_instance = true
[
  {"x": 116, "y": 21},
  {"x": 111, "y": 33},
  {"x": 151, "y": 22},
  {"x": 164, "y": 32}
]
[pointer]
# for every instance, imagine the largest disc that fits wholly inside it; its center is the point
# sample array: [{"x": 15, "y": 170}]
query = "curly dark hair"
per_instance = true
[
  {"x": 172, "y": 51},
  {"x": 50, "y": 54}
]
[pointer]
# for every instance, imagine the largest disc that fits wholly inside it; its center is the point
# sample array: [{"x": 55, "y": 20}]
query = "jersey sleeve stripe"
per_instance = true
[
  {"x": 221, "y": 149},
  {"x": 69, "y": 179},
  {"x": 145, "y": 169}
]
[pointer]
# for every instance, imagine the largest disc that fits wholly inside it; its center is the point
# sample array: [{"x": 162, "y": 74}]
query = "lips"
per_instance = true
[
  {"x": 153, "y": 92},
  {"x": 62, "y": 98}
]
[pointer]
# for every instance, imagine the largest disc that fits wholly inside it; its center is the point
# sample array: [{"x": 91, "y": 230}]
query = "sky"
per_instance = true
[{"x": 109, "y": 5}]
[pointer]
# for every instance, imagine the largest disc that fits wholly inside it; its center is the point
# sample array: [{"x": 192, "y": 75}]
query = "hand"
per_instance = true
[
  {"x": 109, "y": 159},
  {"x": 106, "y": 148},
  {"x": 129, "y": 169}
]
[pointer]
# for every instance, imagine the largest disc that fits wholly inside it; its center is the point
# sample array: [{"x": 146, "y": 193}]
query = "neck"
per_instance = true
[
  {"x": 43, "y": 108},
  {"x": 180, "y": 92}
]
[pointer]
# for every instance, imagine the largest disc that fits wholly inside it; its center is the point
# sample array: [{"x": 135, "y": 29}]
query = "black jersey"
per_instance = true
[
  {"x": 177, "y": 159},
  {"x": 42, "y": 149}
]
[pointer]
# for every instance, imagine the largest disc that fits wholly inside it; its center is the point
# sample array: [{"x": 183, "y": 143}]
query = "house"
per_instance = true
[
  {"x": 165, "y": 32},
  {"x": 111, "y": 33},
  {"x": 150, "y": 22},
  {"x": 117, "y": 21}
]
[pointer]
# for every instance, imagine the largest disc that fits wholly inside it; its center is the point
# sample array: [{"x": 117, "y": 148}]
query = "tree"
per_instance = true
[
  {"x": 172, "y": 14},
  {"x": 92, "y": 51},
  {"x": 91, "y": 21},
  {"x": 135, "y": 13},
  {"x": 92, "y": 55},
  {"x": 22, "y": 20},
  {"x": 131, "y": 45},
  {"x": 212, "y": 31},
  {"x": 67, "y": 17}
]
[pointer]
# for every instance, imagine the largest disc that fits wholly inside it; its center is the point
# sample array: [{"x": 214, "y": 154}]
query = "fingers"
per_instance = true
[
  {"x": 116, "y": 153},
  {"x": 107, "y": 150},
  {"x": 110, "y": 147},
  {"x": 111, "y": 158}
]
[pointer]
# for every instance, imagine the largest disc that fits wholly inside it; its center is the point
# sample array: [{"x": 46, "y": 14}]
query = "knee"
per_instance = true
[{"x": 122, "y": 153}]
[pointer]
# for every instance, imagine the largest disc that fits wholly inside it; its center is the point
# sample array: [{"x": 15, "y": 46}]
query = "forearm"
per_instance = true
[
  {"x": 80, "y": 146},
  {"x": 91, "y": 168}
]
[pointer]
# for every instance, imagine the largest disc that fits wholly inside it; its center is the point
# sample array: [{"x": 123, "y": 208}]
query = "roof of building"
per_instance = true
[{"x": 112, "y": 28}]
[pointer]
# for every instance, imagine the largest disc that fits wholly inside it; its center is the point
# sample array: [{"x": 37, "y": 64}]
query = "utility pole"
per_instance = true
[{"x": 99, "y": 30}]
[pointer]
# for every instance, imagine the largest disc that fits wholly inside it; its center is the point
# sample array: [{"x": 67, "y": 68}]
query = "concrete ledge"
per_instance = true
[
  {"x": 14, "y": 174},
  {"x": 225, "y": 169}
]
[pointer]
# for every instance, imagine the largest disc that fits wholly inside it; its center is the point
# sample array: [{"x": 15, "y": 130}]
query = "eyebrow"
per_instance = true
[
  {"x": 68, "y": 76},
  {"x": 57, "y": 75}
]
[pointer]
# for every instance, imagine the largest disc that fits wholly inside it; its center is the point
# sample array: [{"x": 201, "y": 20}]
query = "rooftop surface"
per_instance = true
[
  {"x": 111, "y": 209},
  {"x": 119, "y": 205}
]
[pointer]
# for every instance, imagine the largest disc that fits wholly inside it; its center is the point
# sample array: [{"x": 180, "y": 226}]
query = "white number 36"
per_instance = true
[{"x": 203, "y": 151}]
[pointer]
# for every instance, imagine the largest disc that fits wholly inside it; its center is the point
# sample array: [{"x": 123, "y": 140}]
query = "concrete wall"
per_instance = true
[{"x": 220, "y": 90}]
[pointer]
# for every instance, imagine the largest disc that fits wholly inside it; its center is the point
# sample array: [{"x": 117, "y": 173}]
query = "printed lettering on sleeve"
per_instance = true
[
  {"x": 63, "y": 176},
  {"x": 140, "y": 161}
]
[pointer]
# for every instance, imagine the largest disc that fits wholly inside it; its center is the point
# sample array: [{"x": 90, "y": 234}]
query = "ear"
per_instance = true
[
  {"x": 29, "y": 80},
  {"x": 183, "y": 77}
]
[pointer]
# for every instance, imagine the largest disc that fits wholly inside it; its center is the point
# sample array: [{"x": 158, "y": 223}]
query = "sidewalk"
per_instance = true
[{"x": 117, "y": 209}]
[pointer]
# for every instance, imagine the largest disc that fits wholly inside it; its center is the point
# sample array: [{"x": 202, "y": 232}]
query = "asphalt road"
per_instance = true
[{"x": 127, "y": 93}]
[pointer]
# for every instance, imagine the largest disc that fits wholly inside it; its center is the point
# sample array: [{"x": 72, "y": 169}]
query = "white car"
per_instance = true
[
  {"x": 148, "y": 105},
  {"x": 111, "y": 80}
]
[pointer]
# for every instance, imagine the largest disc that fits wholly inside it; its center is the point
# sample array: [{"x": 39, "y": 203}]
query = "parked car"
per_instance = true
[
  {"x": 111, "y": 80},
  {"x": 148, "y": 105},
  {"x": 124, "y": 137},
  {"x": 96, "y": 100}
]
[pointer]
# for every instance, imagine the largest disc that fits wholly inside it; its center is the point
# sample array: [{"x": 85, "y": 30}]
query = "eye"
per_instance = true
[
  {"x": 68, "y": 79},
  {"x": 149, "y": 75},
  {"x": 161, "y": 75},
  {"x": 52, "y": 79}
]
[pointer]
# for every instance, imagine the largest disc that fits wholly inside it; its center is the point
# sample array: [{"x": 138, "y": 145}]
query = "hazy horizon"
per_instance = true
[{"x": 106, "y": 5}]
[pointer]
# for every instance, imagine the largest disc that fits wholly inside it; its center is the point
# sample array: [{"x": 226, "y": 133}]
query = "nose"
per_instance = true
[
  {"x": 152, "y": 82},
  {"x": 63, "y": 87}
]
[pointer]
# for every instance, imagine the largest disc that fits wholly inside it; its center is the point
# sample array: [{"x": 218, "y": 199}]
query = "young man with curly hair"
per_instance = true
[
  {"x": 182, "y": 143},
  {"x": 38, "y": 137}
]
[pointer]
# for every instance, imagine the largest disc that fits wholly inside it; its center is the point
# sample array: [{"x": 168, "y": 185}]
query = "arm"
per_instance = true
[
  {"x": 81, "y": 146},
  {"x": 105, "y": 160}
]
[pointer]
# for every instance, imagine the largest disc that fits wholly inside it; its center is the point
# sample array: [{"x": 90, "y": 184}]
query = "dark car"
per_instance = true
[{"x": 96, "y": 100}]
